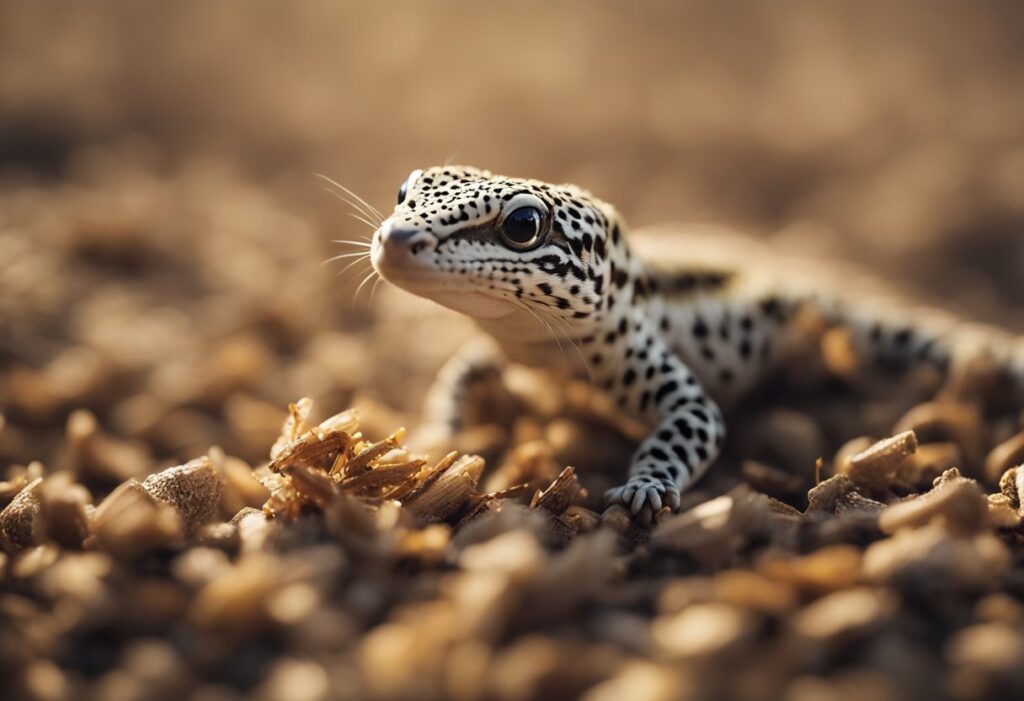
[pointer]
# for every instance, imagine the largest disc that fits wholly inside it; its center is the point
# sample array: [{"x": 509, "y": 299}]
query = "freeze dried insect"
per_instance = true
[
  {"x": 18, "y": 520},
  {"x": 875, "y": 466},
  {"x": 193, "y": 489},
  {"x": 313, "y": 467}
]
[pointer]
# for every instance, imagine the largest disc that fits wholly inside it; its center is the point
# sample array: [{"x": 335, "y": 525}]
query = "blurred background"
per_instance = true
[{"x": 162, "y": 233}]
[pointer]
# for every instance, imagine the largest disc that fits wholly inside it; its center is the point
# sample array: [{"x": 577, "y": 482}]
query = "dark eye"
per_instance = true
[
  {"x": 403, "y": 191},
  {"x": 522, "y": 226}
]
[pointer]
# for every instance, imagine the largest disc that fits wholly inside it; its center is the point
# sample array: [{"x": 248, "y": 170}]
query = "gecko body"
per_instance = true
[{"x": 538, "y": 265}]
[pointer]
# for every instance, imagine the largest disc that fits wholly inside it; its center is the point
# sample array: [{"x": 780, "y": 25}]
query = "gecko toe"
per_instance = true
[{"x": 639, "y": 500}]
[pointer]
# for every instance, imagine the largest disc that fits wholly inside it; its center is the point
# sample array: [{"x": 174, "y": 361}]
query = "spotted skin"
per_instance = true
[{"x": 668, "y": 345}]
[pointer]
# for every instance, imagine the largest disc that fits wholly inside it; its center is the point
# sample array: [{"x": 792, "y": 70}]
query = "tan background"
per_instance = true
[{"x": 163, "y": 232}]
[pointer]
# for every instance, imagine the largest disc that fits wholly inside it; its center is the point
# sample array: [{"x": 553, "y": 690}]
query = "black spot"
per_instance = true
[
  {"x": 771, "y": 307},
  {"x": 629, "y": 377},
  {"x": 700, "y": 329},
  {"x": 665, "y": 390},
  {"x": 684, "y": 428},
  {"x": 659, "y": 454}
]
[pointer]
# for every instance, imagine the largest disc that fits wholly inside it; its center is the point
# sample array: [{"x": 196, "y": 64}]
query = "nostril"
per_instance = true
[
  {"x": 408, "y": 239},
  {"x": 401, "y": 235}
]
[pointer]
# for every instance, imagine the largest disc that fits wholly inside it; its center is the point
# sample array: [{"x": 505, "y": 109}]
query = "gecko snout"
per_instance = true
[
  {"x": 396, "y": 251},
  {"x": 403, "y": 240}
]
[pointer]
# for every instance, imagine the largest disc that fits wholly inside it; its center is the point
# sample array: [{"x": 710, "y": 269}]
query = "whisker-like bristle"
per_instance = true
[
  {"x": 361, "y": 254},
  {"x": 344, "y": 189},
  {"x": 364, "y": 220},
  {"x": 366, "y": 279},
  {"x": 354, "y": 206},
  {"x": 353, "y": 263}
]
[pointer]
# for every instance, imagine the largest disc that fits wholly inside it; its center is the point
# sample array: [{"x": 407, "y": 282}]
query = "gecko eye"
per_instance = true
[
  {"x": 522, "y": 227},
  {"x": 403, "y": 191}
]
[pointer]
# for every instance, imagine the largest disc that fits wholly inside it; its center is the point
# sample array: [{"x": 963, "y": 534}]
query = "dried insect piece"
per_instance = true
[
  {"x": 382, "y": 479},
  {"x": 294, "y": 426},
  {"x": 825, "y": 496},
  {"x": 559, "y": 494},
  {"x": 957, "y": 501},
  {"x": 1011, "y": 484},
  {"x": 702, "y": 630},
  {"x": 1004, "y": 456},
  {"x": 825, "y": 570},
  {"x": 310, "y": 485},
  {"x": 942, "y": 421},
  {"x": 130, "y": 522},
  {"x": 423, "y": 481},
  {"x": 449, "y": 492},
  {"x": 311, "y": 447},
  {"x": 932, "y": 554},
  {"x": 875, "y": 467},
  {"x": 193, "y": 489},
  {"x": 360, "y": 461},
  {"x": 64, "y": 510},
  {"x": 528, "y": 463},
  {"x": 842, "y": 614},
  {"x": 18, "y": 521}
]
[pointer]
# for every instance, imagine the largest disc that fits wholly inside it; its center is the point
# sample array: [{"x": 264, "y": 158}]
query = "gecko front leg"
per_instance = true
[
  {"x": 456, "y": 398},
  {"x": 688, "y": 435}
]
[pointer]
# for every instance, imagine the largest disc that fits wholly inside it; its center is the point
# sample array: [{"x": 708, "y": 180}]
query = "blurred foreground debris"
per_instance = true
[{"x": 346, "y": 567}]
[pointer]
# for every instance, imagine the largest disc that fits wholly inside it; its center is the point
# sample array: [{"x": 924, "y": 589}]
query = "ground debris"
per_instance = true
[{"x": 411, "y": 577}]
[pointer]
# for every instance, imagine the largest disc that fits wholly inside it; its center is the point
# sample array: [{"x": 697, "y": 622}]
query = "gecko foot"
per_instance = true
[{"x": 644, "y": 491}]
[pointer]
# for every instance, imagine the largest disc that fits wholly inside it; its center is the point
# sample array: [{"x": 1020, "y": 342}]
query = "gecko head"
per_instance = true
[{"x": 493, "y": 247}]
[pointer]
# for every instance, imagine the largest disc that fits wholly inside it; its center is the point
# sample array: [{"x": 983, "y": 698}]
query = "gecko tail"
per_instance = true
[{"x": 889, "y": 338}]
